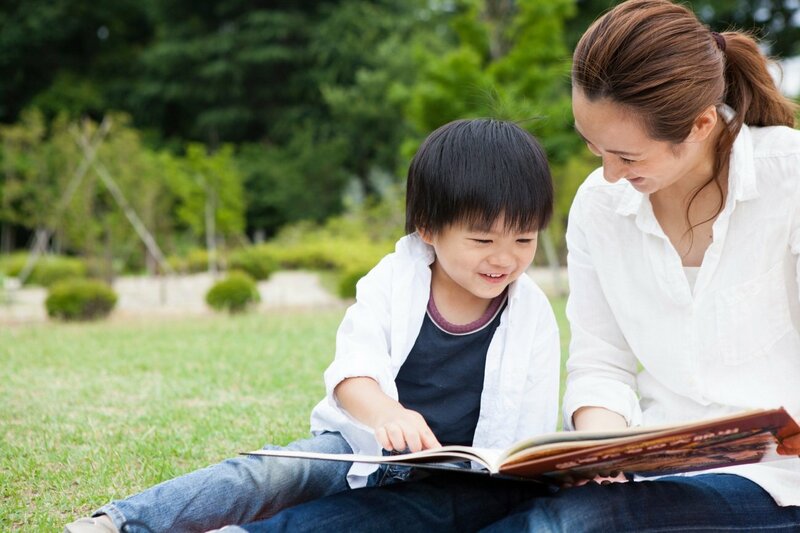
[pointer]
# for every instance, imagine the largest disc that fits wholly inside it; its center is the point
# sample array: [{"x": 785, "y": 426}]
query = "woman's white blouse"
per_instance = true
[{"x": 650, "y": 347}]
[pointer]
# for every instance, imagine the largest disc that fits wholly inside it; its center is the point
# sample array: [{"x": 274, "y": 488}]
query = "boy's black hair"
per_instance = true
[{"x": 474, "y": 171}]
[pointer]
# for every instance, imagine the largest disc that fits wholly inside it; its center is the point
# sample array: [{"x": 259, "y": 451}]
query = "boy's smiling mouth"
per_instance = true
[{"x": 494, "y": 278}]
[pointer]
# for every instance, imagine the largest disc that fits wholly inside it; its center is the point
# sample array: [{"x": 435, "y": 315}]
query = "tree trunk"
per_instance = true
[{"x": 6, "y": 238}]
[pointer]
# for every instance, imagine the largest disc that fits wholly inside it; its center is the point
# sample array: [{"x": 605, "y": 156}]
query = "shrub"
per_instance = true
[
  {"x": 49, "y": 269},
  {"x": 234, "y": 293},
  {"x": 80, "y": 299},
  {"x": 257, "y": 261}
]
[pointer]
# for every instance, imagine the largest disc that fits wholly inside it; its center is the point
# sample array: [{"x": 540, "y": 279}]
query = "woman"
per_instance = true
[{"x": 683, "y": 258}]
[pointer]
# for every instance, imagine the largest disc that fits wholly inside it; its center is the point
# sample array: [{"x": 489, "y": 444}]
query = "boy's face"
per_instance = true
[{"x": 480, "y": 263}]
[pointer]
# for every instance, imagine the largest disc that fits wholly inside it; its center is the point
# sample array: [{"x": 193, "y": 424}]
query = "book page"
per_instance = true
[{"x": 489, "y": 459}]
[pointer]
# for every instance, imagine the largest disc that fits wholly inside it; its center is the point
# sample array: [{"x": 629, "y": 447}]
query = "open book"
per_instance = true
[{"x": 748, "y": 437}]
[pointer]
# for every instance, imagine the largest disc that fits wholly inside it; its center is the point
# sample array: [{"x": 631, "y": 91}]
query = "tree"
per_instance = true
[
  {"x": 774, "y": 21},
  {"x": 68, "y": 55},
  {"x": 511, "y": 62},
  {"x": 206, "y": 183},
  {"x": 28, "y": 184}
]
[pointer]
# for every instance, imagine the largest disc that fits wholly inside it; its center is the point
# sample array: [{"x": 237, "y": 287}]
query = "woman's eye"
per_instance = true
[{"x": 627, "y": 161}]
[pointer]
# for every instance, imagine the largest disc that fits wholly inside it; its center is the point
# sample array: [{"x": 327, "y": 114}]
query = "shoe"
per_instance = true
[{"x": 97, "y": 524}]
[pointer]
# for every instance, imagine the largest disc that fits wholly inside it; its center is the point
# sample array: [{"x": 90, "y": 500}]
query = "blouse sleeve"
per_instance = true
[
  {"x": 601, "y": 369},
  {"x": 794, "y": 241}
]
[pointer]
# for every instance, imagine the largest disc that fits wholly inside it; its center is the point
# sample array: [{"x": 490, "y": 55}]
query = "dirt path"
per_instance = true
[{"x": 176, "y": 296}]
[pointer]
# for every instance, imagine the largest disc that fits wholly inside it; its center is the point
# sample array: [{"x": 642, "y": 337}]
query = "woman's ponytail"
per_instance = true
[{"x": 749, "y": 87}]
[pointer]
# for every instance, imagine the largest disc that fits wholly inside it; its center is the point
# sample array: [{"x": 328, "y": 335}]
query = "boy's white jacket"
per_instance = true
[{"x": 520, "y": 389}]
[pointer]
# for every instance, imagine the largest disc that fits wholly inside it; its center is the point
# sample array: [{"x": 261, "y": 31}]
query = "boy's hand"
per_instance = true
[
  {"x": 402, "y": 429},
  {"x": 396, "y": 428},
  {"x": 790, "y": 445}
]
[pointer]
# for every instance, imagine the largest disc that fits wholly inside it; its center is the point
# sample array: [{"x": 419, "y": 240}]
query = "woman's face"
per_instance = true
[{"x": 613, "y": 134}]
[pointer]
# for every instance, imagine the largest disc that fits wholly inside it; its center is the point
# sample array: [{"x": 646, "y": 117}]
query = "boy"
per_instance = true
[{"x": 449, "y": 342}]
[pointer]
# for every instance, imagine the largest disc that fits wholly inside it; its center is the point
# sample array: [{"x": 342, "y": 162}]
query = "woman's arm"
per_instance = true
[
  {"x": 597, "y": 418},
  {"x": 601, "y": 370}
]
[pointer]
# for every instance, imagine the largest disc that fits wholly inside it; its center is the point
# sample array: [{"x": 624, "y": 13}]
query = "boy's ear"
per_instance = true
[{"x": 426, "y": 236}]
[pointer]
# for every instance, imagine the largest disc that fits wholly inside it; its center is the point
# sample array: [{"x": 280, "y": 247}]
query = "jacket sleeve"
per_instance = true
[
  {"x": 601, "y": 369},
  {"x": 363, "y": 337}
]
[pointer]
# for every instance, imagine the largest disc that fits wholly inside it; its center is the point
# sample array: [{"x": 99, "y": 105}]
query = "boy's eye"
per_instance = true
[
  {"x": 482, "y": 241},
  {"x": 524, "y": 241}
]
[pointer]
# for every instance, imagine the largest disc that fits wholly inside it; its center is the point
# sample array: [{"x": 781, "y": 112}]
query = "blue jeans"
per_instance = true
[
  {"x": 704, "y": 503},
  {"x": 235, "y": 491}
]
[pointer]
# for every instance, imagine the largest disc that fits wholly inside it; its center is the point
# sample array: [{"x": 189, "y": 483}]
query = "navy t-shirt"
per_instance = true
[{"x": 442, "y": 378}]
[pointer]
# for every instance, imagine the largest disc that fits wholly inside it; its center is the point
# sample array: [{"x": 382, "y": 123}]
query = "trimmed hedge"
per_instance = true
[
  {"x": 234, "y": 294},
  {"x": 80, "y": 299},
  {"x": 49, "y": 269},
  {"x": 257, "y": 261}
]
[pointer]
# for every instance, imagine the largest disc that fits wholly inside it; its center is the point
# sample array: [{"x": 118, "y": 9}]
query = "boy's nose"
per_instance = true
[{"x": 501, "y": 259}]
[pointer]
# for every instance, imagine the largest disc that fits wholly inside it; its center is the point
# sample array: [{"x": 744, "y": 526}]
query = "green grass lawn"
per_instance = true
[{"x": 100, "y": 411}]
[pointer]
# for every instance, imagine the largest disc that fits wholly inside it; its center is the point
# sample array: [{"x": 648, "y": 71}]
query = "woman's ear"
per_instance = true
[{"x": 703, "y": 125}]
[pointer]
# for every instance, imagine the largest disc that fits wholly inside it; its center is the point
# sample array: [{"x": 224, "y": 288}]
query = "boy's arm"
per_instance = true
[{"x": 396, "y": 428}]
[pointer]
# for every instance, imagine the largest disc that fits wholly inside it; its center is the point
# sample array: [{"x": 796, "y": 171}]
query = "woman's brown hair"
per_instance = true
[{"x": 658, "y": 60}]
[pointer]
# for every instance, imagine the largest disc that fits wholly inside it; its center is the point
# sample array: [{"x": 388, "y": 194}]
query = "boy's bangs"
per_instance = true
[
  {"x": 516, "y": 218},
  {"x": 476, "y": 172}
]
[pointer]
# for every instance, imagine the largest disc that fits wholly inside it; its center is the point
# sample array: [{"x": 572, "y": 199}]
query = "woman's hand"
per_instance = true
[
  {"x": 597, "y": 419},
  {"x": 790, "y": 445},
  {"x": 600, "y": 479}
]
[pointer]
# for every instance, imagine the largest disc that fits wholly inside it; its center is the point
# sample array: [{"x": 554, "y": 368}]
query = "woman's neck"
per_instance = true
[
  {"x": 698, "y": 174},
  {"x": 687, "y": 210}
]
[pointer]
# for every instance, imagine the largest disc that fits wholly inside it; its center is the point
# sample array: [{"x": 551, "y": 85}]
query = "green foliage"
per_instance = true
[
  {"x": 49, "y": 269},
  {"x": 75, "y": 55},
  {"x": 511, "y": 62},
  {"x": 234, "y": 294},
  {"x": 80, "y": 299},
  {"x": 301, "y": 180},
  {"x": 196, "y": 260},
  {"x": 257, "y": 261},
  {"x": 29, "y": 188},
  {"x": 211, "y": 72},
  {"x": 201, "y": 182}
]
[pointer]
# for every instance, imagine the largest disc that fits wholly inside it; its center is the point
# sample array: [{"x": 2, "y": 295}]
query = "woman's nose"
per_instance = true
[{"x": 612, "y": 171}]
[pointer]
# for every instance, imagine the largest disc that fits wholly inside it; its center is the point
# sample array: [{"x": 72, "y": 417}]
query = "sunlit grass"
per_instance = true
[{"x": 100, "y": 411}]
